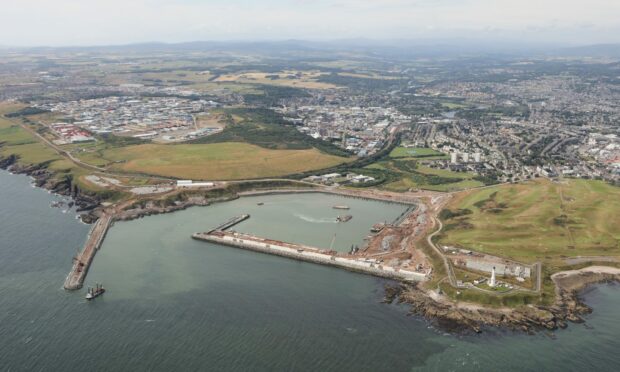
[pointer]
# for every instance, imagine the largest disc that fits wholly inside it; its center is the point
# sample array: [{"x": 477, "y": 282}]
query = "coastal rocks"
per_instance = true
[
  {"x": 154, "y": 207},
  {"x": 150, "y": 209},
  {"x": 89, "y": 218},
  {"x": 43, "y": 178},
  {"x": 392, "y": 292},
  {"x": 443, "y": 315},
  {"x": 7, "y": 162},
  {"x": 466, "y": 317}
]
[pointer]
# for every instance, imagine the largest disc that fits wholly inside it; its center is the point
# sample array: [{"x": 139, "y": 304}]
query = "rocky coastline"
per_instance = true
[
  {"x": 42, "y": 177},
  {"x": 441, "y": 311},
  {"x": 458, "y": 317},
  {"x": 151, "y": 208}
]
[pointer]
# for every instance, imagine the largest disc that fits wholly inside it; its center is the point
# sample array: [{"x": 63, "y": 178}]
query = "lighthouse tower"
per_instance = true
[{"x": 492, "y": 283}]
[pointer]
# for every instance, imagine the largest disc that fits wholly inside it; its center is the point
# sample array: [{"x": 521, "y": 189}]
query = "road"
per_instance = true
[{"x": 452, "y": 276}]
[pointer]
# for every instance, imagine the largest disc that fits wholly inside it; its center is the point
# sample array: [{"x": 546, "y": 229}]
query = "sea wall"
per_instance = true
[{"x": 310, "y": 254}]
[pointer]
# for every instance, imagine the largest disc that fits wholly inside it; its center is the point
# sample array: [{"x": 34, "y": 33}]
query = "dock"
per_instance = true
[
  {"x": 82, "y": 261},
  {"x": 230, "y": 223},
  {"x": 311, "y": 254}
]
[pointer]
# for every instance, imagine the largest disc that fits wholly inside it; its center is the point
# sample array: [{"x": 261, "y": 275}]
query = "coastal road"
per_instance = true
[
  {"x": 452, "y": 276},
  {"x": 429, "y": 239},
  {"x": 72, "y": 158}
]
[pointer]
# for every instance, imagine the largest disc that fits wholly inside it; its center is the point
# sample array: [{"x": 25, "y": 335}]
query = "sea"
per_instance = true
[{"x": 175, "y": 304}]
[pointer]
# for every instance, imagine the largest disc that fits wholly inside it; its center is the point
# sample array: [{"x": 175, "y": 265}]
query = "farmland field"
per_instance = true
[
  {"x": 537, "y": 220},
  {"x": 218, "y": 161}
]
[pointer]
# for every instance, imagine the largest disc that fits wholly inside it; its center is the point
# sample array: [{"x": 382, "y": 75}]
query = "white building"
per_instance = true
[{"x": 190, "y": 183}]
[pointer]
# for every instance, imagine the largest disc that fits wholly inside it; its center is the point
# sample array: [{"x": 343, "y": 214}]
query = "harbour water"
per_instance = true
[{"x": 173, "y": 303}]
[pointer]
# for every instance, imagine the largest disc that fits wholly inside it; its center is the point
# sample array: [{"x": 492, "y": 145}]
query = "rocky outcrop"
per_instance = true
[
  {"x": 44, "y": 178},
  {"x": 466, "y": 317},
  {"x": 7, "y": 162},
  {"x": 154, "y": 207}
]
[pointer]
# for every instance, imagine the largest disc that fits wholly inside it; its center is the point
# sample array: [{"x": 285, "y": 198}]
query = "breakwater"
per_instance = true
[
  {"x": 232, "y": 222},
  {"x": 310, "y": 254},
  {"x": 82, "y": 261}
]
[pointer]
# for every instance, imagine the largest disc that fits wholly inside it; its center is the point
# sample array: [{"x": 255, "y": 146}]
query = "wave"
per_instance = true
[{"x": 316, "y": 220}]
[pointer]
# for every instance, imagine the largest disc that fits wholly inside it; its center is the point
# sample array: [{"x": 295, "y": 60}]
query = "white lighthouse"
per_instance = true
[{"x": 492, "y": 283}]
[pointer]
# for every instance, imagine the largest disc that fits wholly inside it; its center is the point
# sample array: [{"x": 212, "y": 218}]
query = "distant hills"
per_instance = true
[{"x": 392, "y": 48}]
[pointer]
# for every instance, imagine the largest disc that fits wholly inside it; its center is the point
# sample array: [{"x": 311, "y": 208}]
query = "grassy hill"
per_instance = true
[{"x": 537, "y": 220}]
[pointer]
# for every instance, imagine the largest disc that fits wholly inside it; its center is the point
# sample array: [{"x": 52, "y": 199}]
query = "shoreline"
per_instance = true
[
  {"x": 328, "y": 191},
  {"x": 203, "y": 201},
  {"x": 447, "y": 314},
  {"x": 463, "y": 317},
  {"x": 86, "y": 205}
]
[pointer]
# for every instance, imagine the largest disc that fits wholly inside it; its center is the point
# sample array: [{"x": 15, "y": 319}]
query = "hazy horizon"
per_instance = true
[{"x": 30, "y": 23}]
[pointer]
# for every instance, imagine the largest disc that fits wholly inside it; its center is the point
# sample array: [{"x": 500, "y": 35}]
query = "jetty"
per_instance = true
[
  {"x": 301, "y": 252},
  {"x": 230, "y": 223},
  {"x": 82, "y": 261}
]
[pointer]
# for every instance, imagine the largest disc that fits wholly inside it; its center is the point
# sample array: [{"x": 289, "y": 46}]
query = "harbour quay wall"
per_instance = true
[
  {"x": 310, "y": 254},
  {"x": 82, "y": 262},
  {"x": 354, "y": 194}
]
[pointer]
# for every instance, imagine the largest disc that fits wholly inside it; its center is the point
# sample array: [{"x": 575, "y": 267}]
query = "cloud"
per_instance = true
[{"x": 79, "y": 22}]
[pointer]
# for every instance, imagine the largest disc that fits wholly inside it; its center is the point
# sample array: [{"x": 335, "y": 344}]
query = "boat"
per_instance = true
[
  {"x": 346, "y": 218},
  {"x": 346, "y": 207},
  {"x": 95, "y": 292},
  {"x": 377, "y": 227},
  {"x": 261, "y": 203}
]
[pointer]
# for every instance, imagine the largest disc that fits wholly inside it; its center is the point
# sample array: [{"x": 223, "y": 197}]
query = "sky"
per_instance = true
[{"x": 107, "y": 22}]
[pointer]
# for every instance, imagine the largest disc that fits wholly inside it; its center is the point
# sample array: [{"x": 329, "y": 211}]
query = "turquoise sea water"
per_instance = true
[{"x": 178, "y": 304}]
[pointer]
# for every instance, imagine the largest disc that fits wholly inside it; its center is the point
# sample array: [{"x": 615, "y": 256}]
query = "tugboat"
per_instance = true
[
  {"x": 346, "y": 218},
  {"x": 95, "y": 292}
]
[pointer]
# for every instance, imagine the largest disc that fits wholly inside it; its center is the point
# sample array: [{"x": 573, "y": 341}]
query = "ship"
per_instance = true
[
  {"x": 261, "y": 203},
  {"x": 341, "y": 207},
  {"x": 95, "y": 292},
  {"x": 346, "y": 218}
]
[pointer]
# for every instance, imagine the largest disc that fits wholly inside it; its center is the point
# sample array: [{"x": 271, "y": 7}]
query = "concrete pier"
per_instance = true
[
  {"x": 310, "y": 254},
  {"x": 82, "y": 262},
  {"x": 230, "y": 223}
]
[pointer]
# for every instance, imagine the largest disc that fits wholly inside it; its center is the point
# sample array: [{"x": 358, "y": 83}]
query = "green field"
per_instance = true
[
  {"x": 537, "y": 220},
  {"x": 218, "y": 161},
  {"x": 276, "y": 150},
  {"x": 453, "y": 105},
  {"x": 406, "y": 173},
  {"x": 417, "y": 152},
  {"x": 17, "y": 141}
]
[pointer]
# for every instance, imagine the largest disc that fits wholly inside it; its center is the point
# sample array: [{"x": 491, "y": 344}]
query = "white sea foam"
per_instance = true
[{"x": 316, "y": 220}]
